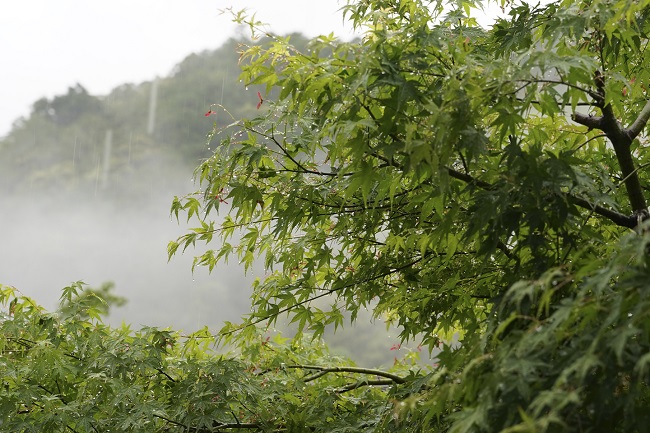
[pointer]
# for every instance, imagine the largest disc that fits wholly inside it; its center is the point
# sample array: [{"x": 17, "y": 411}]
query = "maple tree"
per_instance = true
[{"x": 484, "y": 190}]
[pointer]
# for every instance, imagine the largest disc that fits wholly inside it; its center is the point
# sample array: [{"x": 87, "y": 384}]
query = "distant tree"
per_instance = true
[
  {"x": 67, "y": 108},
  {"x": 89, "y": 299},
  {"x": 483, "y": 190}
]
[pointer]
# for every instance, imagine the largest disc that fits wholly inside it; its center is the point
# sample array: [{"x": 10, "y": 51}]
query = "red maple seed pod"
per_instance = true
[{"x": 259, "y": 104}]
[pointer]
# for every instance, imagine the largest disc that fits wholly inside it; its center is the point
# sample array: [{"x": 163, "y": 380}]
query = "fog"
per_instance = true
[{"x": 50, "y": 241}]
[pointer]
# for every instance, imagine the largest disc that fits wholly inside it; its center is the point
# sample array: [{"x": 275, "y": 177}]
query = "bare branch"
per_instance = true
[
  {"x": 161, "y": 371},
  {"x": 578, "y": 104},
  {"x": 621, "y": 142},
  {"x": 302, "y": 168}
]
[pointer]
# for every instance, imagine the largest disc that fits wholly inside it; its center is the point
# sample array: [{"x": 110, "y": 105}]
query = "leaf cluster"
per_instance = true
[{"x": 62, "y": 372}]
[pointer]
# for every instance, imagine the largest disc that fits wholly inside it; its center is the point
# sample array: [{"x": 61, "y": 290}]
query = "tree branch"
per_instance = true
[
  {"x": 591, "y": 122},
  {"x": 218, "y": 426},
  {"x": 597, "y": 96},
  {"x": 578, "y": 104},
  {"x": 621, "y": 140},
  {"x": 469, "y": 179},
  {"x": 615, "y": 217},
  {"x": 367, "y": 382},
  {"x": 288, "y": 155},
  {"x": 640, "y": 122},
  {"x": 161, "y": 371},
  {"x": 324, "y": 370},
  {"x": 327, "y": 292}
]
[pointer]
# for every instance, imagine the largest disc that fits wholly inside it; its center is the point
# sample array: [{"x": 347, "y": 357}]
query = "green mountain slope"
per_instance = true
[{"x": 82, "y": 143}]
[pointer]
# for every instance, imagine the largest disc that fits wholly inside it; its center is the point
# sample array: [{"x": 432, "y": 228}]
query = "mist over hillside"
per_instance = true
[{"x": 49, "y": 244}]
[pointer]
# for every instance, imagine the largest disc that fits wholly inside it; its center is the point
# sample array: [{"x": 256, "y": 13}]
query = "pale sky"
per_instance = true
[{"x": 47, "y": 46}]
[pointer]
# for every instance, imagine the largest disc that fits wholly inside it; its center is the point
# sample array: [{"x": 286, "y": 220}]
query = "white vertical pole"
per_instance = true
[
  {"x": 153, "y": 102},
  {"x": 108, "y": 144}
]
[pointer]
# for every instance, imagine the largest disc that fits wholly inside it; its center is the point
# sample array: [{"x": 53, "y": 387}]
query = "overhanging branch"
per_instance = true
[
  {"x": 591, "y": 122},
  {"x": 324, "y": 370},
  {"x": 640, "y": 122},
  {"x": 616, "y": 217}
]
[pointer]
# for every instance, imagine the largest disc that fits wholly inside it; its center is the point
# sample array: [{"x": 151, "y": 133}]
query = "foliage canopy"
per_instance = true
[{"x": 482, "y": 189}]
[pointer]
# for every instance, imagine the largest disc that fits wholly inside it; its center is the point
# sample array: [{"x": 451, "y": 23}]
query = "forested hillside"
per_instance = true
[{"x": 83, "y": 143}]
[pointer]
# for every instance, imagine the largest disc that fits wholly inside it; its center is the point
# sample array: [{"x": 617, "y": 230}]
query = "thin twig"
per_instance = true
[{"x": 324, "y": 370}]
